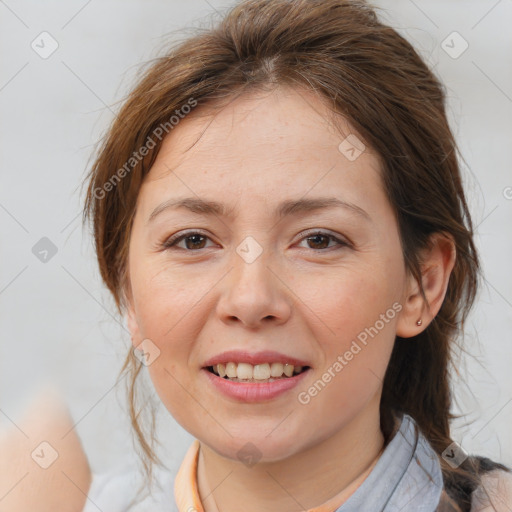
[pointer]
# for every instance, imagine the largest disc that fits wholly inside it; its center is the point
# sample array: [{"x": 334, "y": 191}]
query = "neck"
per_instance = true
[{"x": 333, "y": 470}]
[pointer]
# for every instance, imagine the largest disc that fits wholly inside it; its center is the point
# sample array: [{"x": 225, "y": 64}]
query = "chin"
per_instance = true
[{"x": 254, "y": 449}]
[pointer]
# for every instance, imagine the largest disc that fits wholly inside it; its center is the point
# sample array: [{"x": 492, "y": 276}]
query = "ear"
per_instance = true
[
  {"x": 437, "y": 263},
  {"x": 131, "y": 318},
  {"x": 133, "y": 325}
]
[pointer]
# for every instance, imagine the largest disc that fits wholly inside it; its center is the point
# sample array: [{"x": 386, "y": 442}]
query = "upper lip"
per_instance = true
[{"x": 242, "y": 356}]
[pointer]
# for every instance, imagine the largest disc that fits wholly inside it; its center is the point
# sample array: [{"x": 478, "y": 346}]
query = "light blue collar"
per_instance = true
[{"x": 407, "y": 476}]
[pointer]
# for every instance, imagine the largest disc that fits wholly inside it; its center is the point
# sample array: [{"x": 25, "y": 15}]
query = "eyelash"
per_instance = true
[{"x": 171, "y": 242}]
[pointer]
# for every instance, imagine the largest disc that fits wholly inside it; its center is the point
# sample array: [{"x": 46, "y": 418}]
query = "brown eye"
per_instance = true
[
  {"x": 320, "y": 241},
  {"x": 193, "y": 240}
]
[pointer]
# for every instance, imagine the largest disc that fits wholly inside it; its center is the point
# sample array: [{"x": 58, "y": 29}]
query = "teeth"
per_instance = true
[
  {"x": 276, "y": 369},
  {"x": 260, "y": 371},
  {"x": 246, "y": 371},
  {"x": 288, "y": 370},
  {"x": 231, "y": 370}
]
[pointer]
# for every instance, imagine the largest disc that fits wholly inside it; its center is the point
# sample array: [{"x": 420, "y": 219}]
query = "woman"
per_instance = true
[{"x": 279, "y": 202}]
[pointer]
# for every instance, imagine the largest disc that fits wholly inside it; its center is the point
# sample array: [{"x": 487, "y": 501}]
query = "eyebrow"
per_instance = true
[{"x": 284, "y": 209}]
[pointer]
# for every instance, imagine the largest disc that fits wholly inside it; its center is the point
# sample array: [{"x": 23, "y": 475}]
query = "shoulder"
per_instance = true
[{"x": 494, "y": 494}]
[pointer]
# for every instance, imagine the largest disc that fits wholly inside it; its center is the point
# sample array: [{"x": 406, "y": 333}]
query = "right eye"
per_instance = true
[{"x": 192, "y": 241}]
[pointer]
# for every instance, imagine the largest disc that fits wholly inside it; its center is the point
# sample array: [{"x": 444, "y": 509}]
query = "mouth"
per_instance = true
[
  {"x": 244, "y": 383},
  {"x": 261, "y": 373}
]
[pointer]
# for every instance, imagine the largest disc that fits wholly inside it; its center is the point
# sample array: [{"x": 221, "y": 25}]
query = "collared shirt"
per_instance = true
[{"x": 407, "y": 476}]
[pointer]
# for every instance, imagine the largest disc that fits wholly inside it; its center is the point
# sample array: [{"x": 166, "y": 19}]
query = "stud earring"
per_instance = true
[{"x": 419, "y": 322}]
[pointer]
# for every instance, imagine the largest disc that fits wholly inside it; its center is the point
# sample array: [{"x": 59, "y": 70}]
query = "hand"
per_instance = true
[{"x": 43, "y": 466}]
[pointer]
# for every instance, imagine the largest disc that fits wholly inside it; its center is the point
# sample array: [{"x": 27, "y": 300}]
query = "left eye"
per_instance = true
[
  {"x": 326, "y": 236},
  {"x": 193, "y": 240}
]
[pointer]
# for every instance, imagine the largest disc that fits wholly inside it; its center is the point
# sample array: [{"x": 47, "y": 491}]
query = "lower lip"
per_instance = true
[{"x": 254, "y": 391}]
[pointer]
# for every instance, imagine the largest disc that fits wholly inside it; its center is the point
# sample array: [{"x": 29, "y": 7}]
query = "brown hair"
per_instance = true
[{"x": 365, "y": 71}]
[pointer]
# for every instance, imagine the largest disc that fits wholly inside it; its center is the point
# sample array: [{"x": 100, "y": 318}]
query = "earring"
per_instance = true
[{"x": 419, "y": 322}]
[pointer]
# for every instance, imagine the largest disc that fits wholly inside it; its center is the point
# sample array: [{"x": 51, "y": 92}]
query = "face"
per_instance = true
[{"x": 315, "y": 284}]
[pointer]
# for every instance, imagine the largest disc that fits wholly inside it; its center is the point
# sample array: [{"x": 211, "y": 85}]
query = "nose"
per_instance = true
[{"x": 255, "y": 291}]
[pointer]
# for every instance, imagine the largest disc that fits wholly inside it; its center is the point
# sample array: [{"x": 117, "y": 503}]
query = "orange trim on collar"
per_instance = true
[{"x": 186, "y": 491}]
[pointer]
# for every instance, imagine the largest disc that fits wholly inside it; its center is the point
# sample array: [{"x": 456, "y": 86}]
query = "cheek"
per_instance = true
[
  {"x": 354, "y": 324},
  {"x": 350, "y": 300},
  {"x": 171, "y": 313},
  {"x": 355, "y": 358},
  {"x": 165, "y": 298},
  {"x": 161, "y": 308}
]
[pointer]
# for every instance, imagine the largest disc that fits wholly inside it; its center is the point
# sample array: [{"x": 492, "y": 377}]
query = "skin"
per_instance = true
[
  {"x": 34, "y": 476},
  {"x": 201, "y": 298}
]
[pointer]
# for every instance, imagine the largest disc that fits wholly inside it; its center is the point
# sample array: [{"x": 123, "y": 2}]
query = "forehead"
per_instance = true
[
  {"x": 261, "y": 144},
  {"x": 280, "y": 121}
]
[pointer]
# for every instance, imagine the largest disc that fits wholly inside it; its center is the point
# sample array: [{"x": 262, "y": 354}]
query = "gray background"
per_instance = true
[{"x": 58, "y": 323}]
